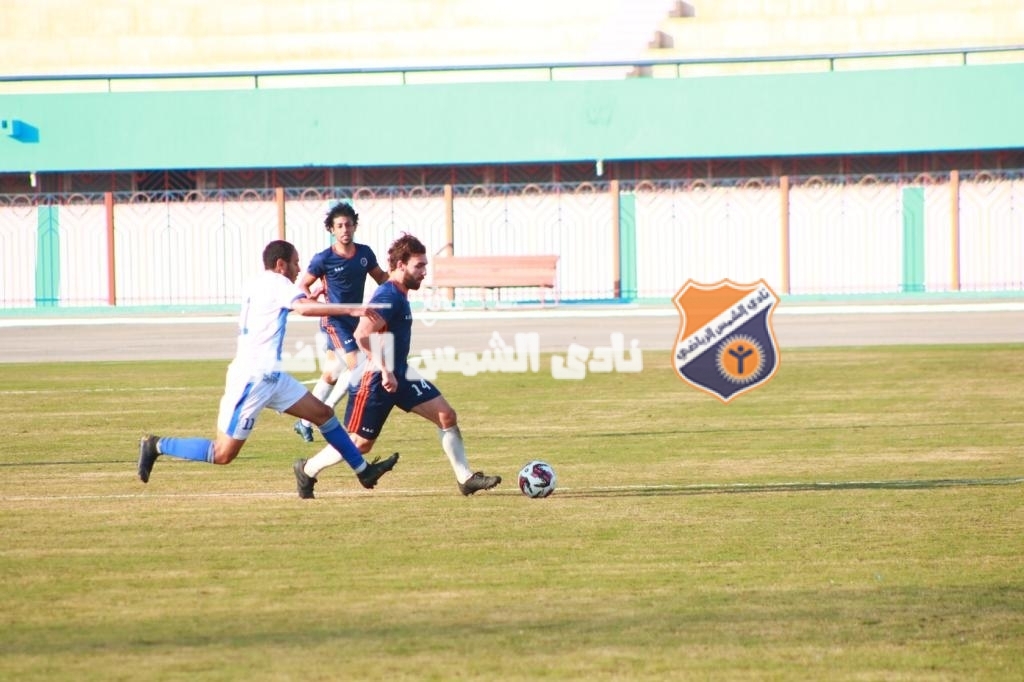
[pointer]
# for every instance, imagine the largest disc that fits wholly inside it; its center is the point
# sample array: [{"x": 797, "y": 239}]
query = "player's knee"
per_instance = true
[
  {"x": 447, "y": 418},
  {"x": 223, "y": 454},
  {"x": 334, "y": 370},
  {"x": 323, "y": 413}
]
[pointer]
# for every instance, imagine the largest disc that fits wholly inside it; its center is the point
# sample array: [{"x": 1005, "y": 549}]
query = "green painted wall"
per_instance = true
[{"x": 898, "y": 110}]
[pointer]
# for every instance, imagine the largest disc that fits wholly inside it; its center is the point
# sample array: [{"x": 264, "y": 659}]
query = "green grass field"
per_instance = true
[{"x": 860, "y": 517}]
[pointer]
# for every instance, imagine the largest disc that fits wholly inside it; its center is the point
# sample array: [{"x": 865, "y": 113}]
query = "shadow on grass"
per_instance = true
[{"x": 737, "y": 488}]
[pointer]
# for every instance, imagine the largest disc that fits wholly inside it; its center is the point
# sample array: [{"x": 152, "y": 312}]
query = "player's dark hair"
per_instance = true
[
  {"x": 341, "y": 208},
  {"x": 404, "y": 248},
  {"x": 277, "y": 249}
]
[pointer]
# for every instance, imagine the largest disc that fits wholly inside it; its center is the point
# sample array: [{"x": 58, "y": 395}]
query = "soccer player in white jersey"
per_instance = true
[{"x": 255, "y": 379}]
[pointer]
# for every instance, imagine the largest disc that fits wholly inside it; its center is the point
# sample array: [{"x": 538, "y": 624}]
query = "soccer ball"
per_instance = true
[{"x": 537, "y": 479}]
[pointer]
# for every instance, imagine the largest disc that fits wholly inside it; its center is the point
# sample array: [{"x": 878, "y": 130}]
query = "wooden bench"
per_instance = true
[{"x": 495, "y": 273}]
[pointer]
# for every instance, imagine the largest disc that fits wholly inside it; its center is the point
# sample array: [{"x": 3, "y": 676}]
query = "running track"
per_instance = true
[{"x": 654, "y": 329}]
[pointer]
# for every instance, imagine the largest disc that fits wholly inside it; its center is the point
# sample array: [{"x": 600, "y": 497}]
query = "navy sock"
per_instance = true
[
  {"x": 196, "y": 449},
  {"x": 340, "y": 441}
]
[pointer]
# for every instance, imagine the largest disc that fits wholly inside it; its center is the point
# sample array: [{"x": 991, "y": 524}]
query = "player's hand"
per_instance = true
[{"x": 388, "y": 381}]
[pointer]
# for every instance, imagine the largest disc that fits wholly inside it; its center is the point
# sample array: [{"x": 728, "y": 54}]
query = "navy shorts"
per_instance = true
[
  {"x": 339, "y": 335},
  {"x": 369, "y": 404}
]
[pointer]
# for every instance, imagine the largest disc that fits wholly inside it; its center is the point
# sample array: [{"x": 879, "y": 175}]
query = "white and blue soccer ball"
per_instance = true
[{"x": 537, "y": 479}]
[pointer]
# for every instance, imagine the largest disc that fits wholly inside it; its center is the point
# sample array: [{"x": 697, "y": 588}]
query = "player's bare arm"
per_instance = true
[
  {"x": 305, "y": 284},
  {"x": 307, "y": 307},
  {"x": 368, "y": 327}
]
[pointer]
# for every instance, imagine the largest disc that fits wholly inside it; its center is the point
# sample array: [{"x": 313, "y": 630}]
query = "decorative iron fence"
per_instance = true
[{"x": 628, "y": 241}]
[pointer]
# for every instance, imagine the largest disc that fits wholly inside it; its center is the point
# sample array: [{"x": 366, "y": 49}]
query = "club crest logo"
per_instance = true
[{"x": 726, "y": 344}]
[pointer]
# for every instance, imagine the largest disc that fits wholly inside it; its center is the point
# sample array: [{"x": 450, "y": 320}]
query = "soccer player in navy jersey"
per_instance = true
[
  {"x": 340, "y": 272},
  {"x": 386, "y": 381},
  {"x": 255, "y": 380}
]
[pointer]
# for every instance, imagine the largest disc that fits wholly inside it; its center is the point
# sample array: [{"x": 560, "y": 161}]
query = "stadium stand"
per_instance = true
[
  {"x": 55, "y": 39},
  {"x": 131, "y": 36},
  {"x": 701, "y": 29},
  {"x": 51, "y": 37}
]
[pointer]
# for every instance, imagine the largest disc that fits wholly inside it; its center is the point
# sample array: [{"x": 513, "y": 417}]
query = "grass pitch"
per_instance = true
[{"x": 859, "y": 517}]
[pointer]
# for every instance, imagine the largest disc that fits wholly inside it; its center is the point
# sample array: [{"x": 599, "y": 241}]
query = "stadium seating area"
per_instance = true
[
  {"x": 701, "y": 29},
  {"x": 50, "y": 37},
  {"x": 61, "y": 39},
  {"x": 132, "y": 36}
]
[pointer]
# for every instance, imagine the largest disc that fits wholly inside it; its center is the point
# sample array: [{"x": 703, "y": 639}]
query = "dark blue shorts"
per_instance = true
[
  {"x": 339, "y": 335},
  {"x": 369, "y": 404}
]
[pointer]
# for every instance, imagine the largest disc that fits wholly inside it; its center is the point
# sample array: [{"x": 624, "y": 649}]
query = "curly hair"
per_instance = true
[
  {"x": 404, "y": 248},
  {"x": 342, "y": 208}
]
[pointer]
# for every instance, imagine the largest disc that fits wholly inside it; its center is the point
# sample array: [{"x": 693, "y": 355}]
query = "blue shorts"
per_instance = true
[
  {"x": 369, "y": 404},
  {"x": 339, "y": 335}
]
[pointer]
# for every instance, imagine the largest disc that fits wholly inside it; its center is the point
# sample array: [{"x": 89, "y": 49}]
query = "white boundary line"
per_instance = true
[
  {"x": 562, "y": 312},
  {"x": 112, "y": 389}
]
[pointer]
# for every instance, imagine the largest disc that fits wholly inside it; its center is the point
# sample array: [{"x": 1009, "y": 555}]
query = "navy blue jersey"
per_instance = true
[
  {"x": 397, "y": 322},
  {"x": 368, "y": 403},
  {"x": 344, "y": 281}
]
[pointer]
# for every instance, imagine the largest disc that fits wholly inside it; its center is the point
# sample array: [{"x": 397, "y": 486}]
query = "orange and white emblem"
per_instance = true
[{"x": 726, "y": 344}]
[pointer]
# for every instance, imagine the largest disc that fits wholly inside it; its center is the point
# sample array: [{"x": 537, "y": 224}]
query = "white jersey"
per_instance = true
[{"x": 266, "y": 302}]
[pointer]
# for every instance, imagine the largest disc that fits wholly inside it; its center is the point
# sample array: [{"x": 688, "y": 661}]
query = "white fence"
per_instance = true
[{"x": 816, "y": 236}]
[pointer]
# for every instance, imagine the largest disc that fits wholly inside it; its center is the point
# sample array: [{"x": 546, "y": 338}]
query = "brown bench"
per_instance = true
[{"x": 495, "y": 272}]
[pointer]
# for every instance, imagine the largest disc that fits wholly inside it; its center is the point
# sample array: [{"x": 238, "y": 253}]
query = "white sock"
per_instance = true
[
  {"x": 340, "y": 389},
  {"x": 451, "y": 442},
  {"x": 327, "y": 457},
  {"x": 319, "y": 392}
]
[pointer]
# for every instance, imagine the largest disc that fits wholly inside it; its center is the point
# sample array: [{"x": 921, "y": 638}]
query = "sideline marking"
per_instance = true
[{"x": 148, "y": 389}]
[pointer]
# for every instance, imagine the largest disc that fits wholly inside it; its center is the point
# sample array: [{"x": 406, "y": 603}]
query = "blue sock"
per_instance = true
[
  {"x": 340, "y": 441},
  {"x": 196, "y": 449}
]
